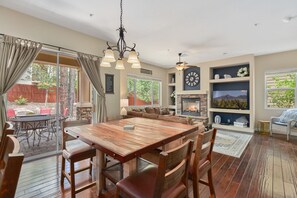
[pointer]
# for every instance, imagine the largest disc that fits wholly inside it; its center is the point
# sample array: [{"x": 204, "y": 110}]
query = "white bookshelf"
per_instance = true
[{"x": 221, "y": 83}]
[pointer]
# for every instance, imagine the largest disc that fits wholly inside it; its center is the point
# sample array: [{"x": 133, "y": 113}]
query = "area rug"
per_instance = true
[{"x": 231, "y": 143}]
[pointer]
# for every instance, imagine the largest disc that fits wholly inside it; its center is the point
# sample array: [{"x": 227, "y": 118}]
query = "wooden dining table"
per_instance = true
[{"x": 126, "y": 145}]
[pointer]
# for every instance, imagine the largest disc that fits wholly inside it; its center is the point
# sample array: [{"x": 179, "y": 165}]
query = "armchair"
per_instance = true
[{"x": 288, "y": 119}]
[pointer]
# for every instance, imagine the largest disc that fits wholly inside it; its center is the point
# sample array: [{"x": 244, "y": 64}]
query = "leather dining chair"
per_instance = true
[
  {"x": 7, "y": 130},
  {"x": 11, "y": 167},
  {"x": 75, "y": 150},
  {"x": 168, "y": 179},
  {"x": 201, "y": 162}
]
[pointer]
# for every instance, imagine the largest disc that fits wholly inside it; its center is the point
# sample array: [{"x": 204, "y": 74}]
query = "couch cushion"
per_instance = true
[
  {"x": 150, "y": 115},
  {"x": 157, "y": 110},
  {"x": 164, "y": 111},
  {"x": 74, "y": 147},
  {"x": 290, "y": 114},
  {"x": 176, "y": 119},
  {"x": 135, "y": 113},
  {"x": 149, "y": 110}
]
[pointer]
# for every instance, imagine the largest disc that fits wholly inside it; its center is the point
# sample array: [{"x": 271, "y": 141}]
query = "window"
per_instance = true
[
  {"x": 143, "y": 92},
  {"x": 280, "y": 90}
]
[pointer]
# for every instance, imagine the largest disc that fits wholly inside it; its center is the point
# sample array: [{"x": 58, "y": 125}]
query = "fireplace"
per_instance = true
[{"x": 190, "y": 106}]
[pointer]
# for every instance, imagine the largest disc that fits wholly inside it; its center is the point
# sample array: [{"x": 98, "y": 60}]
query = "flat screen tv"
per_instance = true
[{"x": 230, "y": 99}]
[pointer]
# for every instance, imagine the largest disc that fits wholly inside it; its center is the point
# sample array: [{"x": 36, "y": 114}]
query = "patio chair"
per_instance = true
[
  {"x": 287, "y": 119},
  {"x": 11, "y": 113},
  {"x": 45, "y": 111},
  {"x": 12, "y": 164}
]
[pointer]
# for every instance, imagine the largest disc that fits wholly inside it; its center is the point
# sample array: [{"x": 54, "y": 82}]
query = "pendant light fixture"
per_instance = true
[{"x": 121, "y": 48}]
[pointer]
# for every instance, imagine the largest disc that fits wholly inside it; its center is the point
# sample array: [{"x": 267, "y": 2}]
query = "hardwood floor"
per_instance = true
[{"x": 267, "y": 168}]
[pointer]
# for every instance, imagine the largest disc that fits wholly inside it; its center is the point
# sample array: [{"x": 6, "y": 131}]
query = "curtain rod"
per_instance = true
[{"x": 49, "y": 45}]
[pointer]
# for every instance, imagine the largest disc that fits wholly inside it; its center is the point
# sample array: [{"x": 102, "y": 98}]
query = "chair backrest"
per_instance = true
[
  {"x": 11, "y": 113},
  {"x": 65, "y": 113},
  {"x": 45, "y": 110},
  {"x": 8, "y": 130},
  {"x": 204, "y": 146},
  {"x": 173, "y": 168},
  {"x": 12, "y": 160},
  {"x": 65, "y": 124}
]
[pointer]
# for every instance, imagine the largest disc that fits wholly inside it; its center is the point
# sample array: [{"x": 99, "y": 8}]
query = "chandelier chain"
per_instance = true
[{"x": 121, "y": 17}]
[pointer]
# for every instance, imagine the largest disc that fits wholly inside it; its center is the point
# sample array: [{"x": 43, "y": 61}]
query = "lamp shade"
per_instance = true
[
  {"x": 109, "y": 56},
  {"x": 124, "y": 103},
  {"x": 120, "y": 64},
  {"x": 132, "y": 58}
]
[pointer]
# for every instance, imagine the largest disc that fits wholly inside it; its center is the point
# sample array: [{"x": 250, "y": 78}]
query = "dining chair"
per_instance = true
[
  {"x": 168, "y": 179},
  {"x": 12, "y": 164},
  {"x": 201, "y": 162},
  {"x": 7, "y": 130},
  {"x": 75, "y": 150}
]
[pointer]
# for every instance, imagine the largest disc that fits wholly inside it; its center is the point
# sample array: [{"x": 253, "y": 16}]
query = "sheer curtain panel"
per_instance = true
[
  {"x": 16, "y": 55},
  {"x": 90, "y": 64}
]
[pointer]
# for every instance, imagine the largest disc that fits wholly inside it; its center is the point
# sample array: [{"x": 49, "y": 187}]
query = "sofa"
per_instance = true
[
  {"x": 159, "y": 113},
  {"x": 287, "y": 119}
]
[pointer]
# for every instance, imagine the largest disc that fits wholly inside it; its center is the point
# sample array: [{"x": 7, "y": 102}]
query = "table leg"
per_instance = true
[
  {"x": 100, "y": 180},
  {"x": 130, "y": 167}
]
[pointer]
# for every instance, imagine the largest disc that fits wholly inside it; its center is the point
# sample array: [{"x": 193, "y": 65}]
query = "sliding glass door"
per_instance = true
[{"x": 44, "y": 97}]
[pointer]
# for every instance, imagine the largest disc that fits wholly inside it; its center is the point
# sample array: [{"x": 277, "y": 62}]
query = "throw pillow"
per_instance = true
[
  {"x": 164, "y": 111},
  {"x": 149, "y": 110},
  {"x": 157, "y": 110},
  {"x": 290, "y": 114}
]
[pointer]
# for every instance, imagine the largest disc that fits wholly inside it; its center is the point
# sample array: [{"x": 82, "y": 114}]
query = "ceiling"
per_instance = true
[{"x": 204, "y": 30}]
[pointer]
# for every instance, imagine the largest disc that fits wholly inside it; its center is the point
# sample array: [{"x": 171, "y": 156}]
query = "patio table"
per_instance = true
[{"x": 33, "y": 123}]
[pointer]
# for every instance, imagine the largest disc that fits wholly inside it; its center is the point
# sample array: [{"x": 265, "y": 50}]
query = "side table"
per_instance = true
[{"x": 264, "y": 126}]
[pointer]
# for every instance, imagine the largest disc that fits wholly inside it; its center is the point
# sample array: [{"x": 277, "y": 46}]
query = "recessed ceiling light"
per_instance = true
[
  {"x": 225, "y": 53},
  {"x": 91, "y": 14}
]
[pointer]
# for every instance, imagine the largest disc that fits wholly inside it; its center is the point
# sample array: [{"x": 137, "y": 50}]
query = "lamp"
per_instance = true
[
  {"x": 180, "y": 65},
  {"x": 124, "y": 103},
  {"x": 121, "y": 47}
]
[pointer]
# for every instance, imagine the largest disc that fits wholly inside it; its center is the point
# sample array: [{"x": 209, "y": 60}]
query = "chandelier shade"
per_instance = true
[
  {"x": 105, "y": 64},
  {"x": 121, "y": 47},
  {"x": 109, "y": 56},
  {"x": 120, "y": 64},
  {"x": 136, "y": 66}
]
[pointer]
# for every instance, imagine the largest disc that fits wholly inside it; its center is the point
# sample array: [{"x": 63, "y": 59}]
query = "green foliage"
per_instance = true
[
  {"x": 45, "y": 75},
  {"x": 21, "y": 100},
  {"x": 144, "y": 89},
  {"x": 283, "y": 98}
]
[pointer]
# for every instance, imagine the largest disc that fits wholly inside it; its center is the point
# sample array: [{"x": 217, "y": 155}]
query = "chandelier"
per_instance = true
[
  {"x": 121, "y": 47},
  {"x": 181, "y": 65}
]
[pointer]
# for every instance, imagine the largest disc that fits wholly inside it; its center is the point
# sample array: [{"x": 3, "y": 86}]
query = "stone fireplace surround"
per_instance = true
[{"x": 203, "y": 102}]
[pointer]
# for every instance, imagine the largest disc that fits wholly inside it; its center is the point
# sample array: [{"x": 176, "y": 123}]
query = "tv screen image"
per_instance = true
[{"x": 230, "y": 99}]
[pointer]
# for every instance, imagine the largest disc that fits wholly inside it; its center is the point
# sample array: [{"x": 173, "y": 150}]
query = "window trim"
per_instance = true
[
  {"x": 275, "y": 73},
  {"x": 152, "y": 95}
]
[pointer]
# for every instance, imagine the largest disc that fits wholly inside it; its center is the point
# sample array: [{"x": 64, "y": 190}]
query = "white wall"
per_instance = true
[
  {"x": 265, "y": 63},
  {"x": 25, "y": 26}
]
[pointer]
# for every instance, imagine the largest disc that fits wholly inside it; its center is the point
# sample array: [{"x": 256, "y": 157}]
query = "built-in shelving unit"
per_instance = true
[
  {"x": 171, "y": 88},
  {"x": 224, "y": 78}
]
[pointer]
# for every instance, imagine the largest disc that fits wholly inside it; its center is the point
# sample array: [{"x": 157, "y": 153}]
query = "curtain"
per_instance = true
[
  {"x": 90, "y": 64},
  {"x": 16, "y": 55}
]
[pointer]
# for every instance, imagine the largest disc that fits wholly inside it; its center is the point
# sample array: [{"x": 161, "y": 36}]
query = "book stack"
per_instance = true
[{"x": 241, "y": 122}]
